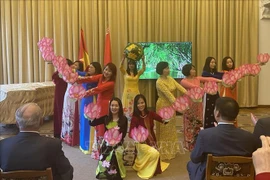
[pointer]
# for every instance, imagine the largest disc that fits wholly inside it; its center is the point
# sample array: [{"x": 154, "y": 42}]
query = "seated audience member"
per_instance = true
[
  {"x": 261, "y": 160},
  {"x": 30, "y": 151},
  {"x": 223, "y": 140},
  {"x": 262, "y": 127}
]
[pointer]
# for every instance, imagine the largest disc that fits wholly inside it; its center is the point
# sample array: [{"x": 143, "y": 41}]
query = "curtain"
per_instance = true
[{"x": 216, "y": 28}]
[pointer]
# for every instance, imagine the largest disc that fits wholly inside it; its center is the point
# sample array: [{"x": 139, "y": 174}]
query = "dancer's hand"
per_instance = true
[
  {"x": 123, "y": 57},
  {"x": 89, "y": 92},
  {"x": 143, "y": 57}
]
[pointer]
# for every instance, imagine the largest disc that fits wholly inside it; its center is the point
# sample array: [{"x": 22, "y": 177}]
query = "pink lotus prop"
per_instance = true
[
  {"x": 244, "y": 70},
  {"x": 238, "y": 74},
  {"x": 210, "y": 87},
  {"x": 112, "y": 136},
  {"x": 166, "y": 112},
  {"x": 44, "y": 42},
  {"x": 254, "y": 69},
  {"x": 65, "y": 71},
  {"x": 229, "y": 79},
  {"x": 48, "y": 56},
  {"x": 139, "y": 134},
  {"x": 241, "y": 71},
  {"x": 263, "y": 58},
  {"x": 59, "y": 62},
  {"x": 249, "y": 69},
  {"x": 77, "y": 91},
  {"x": 196, "y": 94},
  {"x": 70, "y": 78},
  {"x": 254, "y": 119},
  {"x": 45, "y": 47},
  {"x": 181, "y": 103},
  {"x": 67, "y": 74},
  {"x": 91, "y": 111}
]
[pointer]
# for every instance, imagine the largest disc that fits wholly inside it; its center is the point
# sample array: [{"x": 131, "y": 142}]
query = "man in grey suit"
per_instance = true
[
  {"x": 223, "y": 140},
  {"x": 30, "y": 151}
]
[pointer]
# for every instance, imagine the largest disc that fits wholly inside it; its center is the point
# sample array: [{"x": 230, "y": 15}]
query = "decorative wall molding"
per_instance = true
[{"x": 265, "y": 9}]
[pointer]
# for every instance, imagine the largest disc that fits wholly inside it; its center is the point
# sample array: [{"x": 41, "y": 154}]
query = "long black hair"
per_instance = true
[
  {"x": 136, "y": 111},
  {"x": 97, "y": 66},
  {"x": 69, "y": 62},
  {"x": 135, "y": 70},
  {"x": 120, "y": 113},
  {"x": 122, "y": 122},
  {"x": 224, "y": 64},
  {"x": 186, "y": 69},
  {"x": 207, "y": 65},
  {"x": 113, "y": 68},
  {"x": 80, "y": 65}
]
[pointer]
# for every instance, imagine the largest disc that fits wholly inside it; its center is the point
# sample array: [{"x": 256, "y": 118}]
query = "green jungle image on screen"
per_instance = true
[{"x": 177, "y": 54}]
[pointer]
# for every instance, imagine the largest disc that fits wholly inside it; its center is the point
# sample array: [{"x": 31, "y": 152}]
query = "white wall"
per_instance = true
[{"x": 264, "y": 77}]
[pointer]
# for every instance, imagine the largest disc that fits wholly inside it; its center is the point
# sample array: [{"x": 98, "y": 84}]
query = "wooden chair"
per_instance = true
[
  {"x": 229, "y": 168},
  {"x": 27, "y": 175}
]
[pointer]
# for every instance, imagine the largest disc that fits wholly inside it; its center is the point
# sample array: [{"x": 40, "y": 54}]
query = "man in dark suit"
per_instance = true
[
  {"x": 223, "y": 140},
  {"x": 262, "y": 127},
  {"x": 30, "y": 151}
]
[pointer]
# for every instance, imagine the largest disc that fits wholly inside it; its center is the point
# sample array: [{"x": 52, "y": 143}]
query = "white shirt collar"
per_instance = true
[
  {"x": 225, "y": 123},
  {"x": 30, "y": 131}
]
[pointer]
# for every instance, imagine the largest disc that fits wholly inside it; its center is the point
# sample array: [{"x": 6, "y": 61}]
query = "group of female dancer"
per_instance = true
[
  {"x": 201, "y": 114},
  {"x": 163, "y": 145}
]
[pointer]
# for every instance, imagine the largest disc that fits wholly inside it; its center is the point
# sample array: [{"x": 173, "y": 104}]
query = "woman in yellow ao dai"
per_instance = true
[
  {"x": 166, "y": 135},
  {"x": 131, "y": 87}
]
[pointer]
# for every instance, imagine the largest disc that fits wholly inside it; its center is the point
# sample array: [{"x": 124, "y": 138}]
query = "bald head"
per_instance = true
[{"x": 28, "y": 116}]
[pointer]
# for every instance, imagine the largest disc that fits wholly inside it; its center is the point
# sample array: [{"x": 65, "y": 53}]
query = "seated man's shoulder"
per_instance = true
[
  {"x": 243, "y": 131},
  {"x": 50, "y": 141},
  {"x": 8, "y": 140},
  {"x": 211, "y": 130},
  {"x": 264, "y": 121}
]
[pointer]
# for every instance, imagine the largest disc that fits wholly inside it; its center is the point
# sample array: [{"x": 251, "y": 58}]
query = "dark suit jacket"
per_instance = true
[
  {"x": 262, "y": 127},
  {"x": 223, "y": 140},
  {"x": 30, "y": 151}
]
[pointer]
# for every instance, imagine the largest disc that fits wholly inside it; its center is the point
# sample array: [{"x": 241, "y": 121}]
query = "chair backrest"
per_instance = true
[
  {"x": 229, "y": 168},
  {"x": 27, "y": 175}
]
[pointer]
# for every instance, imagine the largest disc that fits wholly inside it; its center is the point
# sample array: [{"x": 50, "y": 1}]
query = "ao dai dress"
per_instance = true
[
  {"x": 87, "y": 134},
  {"x": 60, "y": 89},
  {"x": 112, "y": 154},
  {"x": 147, "y": 162},
  {"x": 166, "y": 134},
  {"x": 229, "y": 91},
  {"x": 209, "y": 102},
  {"x": 192, "y": 118},
  {"x": 104, "y": 90},
  {"x": 70, "y": 120},
  {"x": 131, "y": 89}
]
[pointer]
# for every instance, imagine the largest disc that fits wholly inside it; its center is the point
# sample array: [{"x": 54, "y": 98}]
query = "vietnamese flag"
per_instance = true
[
  {"x": 83, "y": 55},
  {"x": 107, "y": 50}
]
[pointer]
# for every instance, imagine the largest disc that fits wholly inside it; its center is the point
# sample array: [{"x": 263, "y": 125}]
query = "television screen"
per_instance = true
[{"x": 177, "y": 54}]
